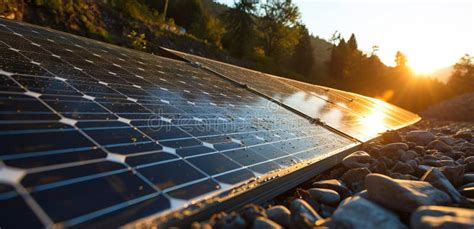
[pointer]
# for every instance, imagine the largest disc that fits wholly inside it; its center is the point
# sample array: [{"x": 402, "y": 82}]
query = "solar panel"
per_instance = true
[
  {"x": 360, "y": 117},
  {"x": 97, "y": 135}
]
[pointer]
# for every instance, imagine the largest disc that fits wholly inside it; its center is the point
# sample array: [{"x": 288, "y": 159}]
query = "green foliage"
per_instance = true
[
  {"x": 303, "y": 57},
  {"x": 137, "y": 41},
  {"x": 401, "y": 60},
  {"x": 462, "y": 78},
  {"x": 240, "y": 29}
]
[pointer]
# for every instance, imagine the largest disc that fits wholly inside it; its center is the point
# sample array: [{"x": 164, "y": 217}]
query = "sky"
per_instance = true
[{"x": 432, "y": 33}]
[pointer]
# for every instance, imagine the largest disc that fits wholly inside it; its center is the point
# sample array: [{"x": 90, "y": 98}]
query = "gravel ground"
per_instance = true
[{"x": 421, "y": 177}]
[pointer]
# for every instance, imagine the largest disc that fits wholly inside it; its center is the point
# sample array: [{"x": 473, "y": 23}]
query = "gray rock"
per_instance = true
[
  {"x": 335, "y": 185},
  {"x": 448, "y": 140},
  {"x": 468, "y": 178},
  {"x": 355, "y": 178},
  {"x": 454, "y": 174},
  {"x": 467, "y": 192},
  {"x": 252, "y": 211},
  {"x": 358, "y": 159},
  {"x": 469, "y": 159},
  {"x": 325, "y": 196},
  {"x": 438, "y": 180},
  {"x": 302, "y": 215},
  {"x": 408, "y": 155},
  {"x": 464, "y": 134},
  {"x": 394, "y": 150},
  {"x": 403, "y": 195},
  {"x": 228, "y": 221},
  {"x": 403, "y": 168},
  {"x": 357, "y": 212},
  {"x": 264, "y": 223},
  {"x": 280, "y": 214},
  {"x": 439, "y": 145},
  {"x": 391, "y": 137},
  {"x": 442, "y": 217},
  {"x": 420, "y": 137}
]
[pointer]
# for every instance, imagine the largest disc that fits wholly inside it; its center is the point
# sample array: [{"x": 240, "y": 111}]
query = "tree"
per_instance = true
[
  {"x": 339, "y": 57},
  {"x": 279, "y": 28},
  {"x": 352, "y": 43},
  {"x": 303, "y": 58},
  {"x": 400, "y": 60},
  {"x": 240, "y": 29},
  {"x": 462, "y": 78}
]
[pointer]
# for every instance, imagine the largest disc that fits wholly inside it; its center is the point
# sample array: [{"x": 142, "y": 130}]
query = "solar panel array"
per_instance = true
[
  {"x": 97, "y": 135},
  {"x": 360, "y": 117}
]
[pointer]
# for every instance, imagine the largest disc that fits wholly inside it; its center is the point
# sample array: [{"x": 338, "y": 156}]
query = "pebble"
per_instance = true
[
  {"x": 264, "y": 223},
  {"x": 467, "y": 192},
  {"x": 438, "y": 180},
  {"x": 335, "y": 185},
  {"x": 468, "y": 178},
  {"x": 403, "y": 168},
  {"x": 408, "y": 155},
  {"x": 391, "y": 137},
  {"x": 454, "y": 174},
  {"x": 394, "y": 150},
  {"x": 420, "y": 137},
  {"x": 355, "y": 178},
  {"x": 442, "y": 217},
  {"x": 403, "y": 195},
  {"x": 325, "y": 196},
  {"x": 464, "y": 134},
  {"x": 448, "y": 140},
  {"x": 302, "y": 215},
  {"x": 359, "y": 213},
  {"x": 358, "y": 159},
  {"x": 439, "y": 145},
  {"x": 279, "y": 214},
  {"x": 224, "y": 221},
  {"x": 469, "y": 159},
  {"x": 252, "y": 211}
]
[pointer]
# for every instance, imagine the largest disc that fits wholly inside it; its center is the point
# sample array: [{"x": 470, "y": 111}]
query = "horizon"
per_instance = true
[{"x": 396, "y": 26}]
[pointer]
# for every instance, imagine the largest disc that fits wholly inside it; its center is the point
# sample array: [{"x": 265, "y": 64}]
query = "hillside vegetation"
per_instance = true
[{"x": 269, "y": 37}]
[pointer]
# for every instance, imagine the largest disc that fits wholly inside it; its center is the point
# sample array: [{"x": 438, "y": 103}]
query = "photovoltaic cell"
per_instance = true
[
  {"x": 358, "y": 116},
  {"x": 97, "y": 135}
]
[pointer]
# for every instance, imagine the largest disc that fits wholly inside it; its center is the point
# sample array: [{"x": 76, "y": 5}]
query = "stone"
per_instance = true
[
  {"x": 454, "y": 174},
  {"x": 469, "y": 159},
  {"x": 325, "y": 196},
  {"x": 279, "y": 214},
  {"x": 326, "y": 210},
  {"x": 467, "y": 192},
  {"x": 302, "y": 215},
  {"x": 448, "y": 140},
  {"x": 403, "y": 195},
  {"x": 420, "y": 150},
  {"x": 355, "y": 178},
  {"x": 252, "y": 211},
  {"x": 442, "y": 217},
  {"x": 469, "y": 167},
  {"x": 403, "y": 168},
  {"x": 439, "y": 145},
  {"x": 359, "y": 213},
  {"x": 394, "y": 150},
  {"x": 264, "y": 223},
  {"x": 335, "y": 185},
  {"x": 228, "y": 221},
  {"x": 438, "y": 180},
  {"x": 391, "y": 137},
  {"x": 408, "y": 155},
  {"x": 420, "y": 137},
  {"x": 358, "y": 159},
  {"x": 468, "y": 178},
  {"x": 464, "y": 134}
]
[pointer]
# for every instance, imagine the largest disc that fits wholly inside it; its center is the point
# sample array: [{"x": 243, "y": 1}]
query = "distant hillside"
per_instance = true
[
  {"x": 322, "y": 54},
  {"x": 442, "y": 74}
]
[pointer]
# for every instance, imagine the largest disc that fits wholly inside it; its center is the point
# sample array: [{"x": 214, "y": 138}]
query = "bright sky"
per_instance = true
[{"x": 432, "y": 33}]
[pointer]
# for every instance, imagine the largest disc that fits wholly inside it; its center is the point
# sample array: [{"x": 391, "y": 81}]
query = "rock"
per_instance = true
[
  {"x": 264, "y": 223},
  {"x": 448, "y": 140},
  {"x": 302, "y": 215},
  {"x": 408, "y": 155},
  {"x": 420, "y": 137},
  {"x": 225, "y": 221},
  {"x": 280, "y": 214},
  {"x": 403, "y": 168},
  {"x": 357, "y": 212},
  {"x": 379, "y": 167},
  {"x": 438, "y": 180},
  {"x": 464, "y": 134},
  {"x": 358, "y": 159},
  {"x": 355, "y": 178},
  {"x": 325, "y": 196},
  {"x": 469, "y": 159},
  {"x": 197, "y": 225},
  {"x": 469, "y": 167},
  {"x": 454, "y": 174},
  {"x": 335, "y": 185},
  {"x": 467, "y": 192},
  {"x": 391, "y": 137},
  {"x": 468, "y": 178},
  {"x": 420, "y": 150},
  {"x": 326, "y": 211},
  {"x": 394, "y": 150},
  {"x": 403, "y": 195},
  {"x": 439, "y": 145},
  {"x": 251, "y": 212},
  {"x": 442, "y": 217}
]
